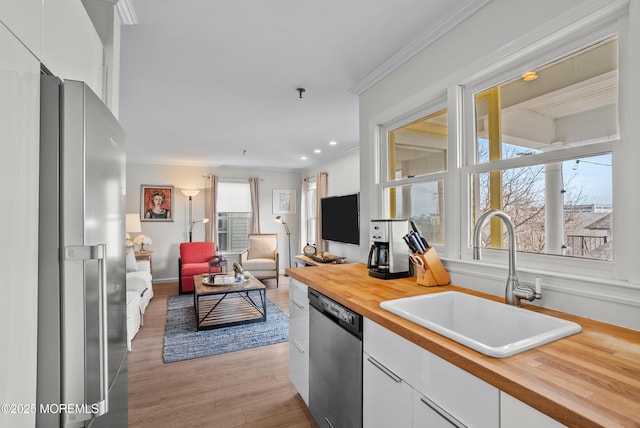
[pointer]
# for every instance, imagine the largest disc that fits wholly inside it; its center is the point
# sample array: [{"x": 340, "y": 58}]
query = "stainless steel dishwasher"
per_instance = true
[{"x": 335, "y": 363}]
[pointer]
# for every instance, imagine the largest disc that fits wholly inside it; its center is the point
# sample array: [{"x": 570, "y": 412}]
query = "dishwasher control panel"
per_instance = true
[
  {"x": 337, "y": 310},
  {"x": 348, "y": 319}
]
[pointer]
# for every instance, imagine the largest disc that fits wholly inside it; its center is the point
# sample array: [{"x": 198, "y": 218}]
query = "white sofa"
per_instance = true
[{"x": 139, "y": 293}]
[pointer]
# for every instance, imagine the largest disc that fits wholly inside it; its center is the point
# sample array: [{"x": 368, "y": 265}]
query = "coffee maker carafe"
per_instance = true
[{"x": 388, "y": 256}]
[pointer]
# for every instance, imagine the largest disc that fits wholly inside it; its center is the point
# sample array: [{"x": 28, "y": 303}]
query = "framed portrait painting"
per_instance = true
[
  {"x": 284, "y": 201},
  {"x": 156, "y": 203}
]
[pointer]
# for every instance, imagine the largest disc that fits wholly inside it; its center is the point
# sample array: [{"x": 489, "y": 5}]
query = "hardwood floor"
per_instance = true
[{"x": 249, "y": 388}]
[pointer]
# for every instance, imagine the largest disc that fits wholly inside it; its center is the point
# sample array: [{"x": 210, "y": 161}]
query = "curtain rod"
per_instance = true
[{"x": 240, "y": 180}]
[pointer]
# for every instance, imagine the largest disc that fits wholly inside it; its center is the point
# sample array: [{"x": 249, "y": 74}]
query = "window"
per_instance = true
[
  {"x": 543, "y": 154},
  {"x": 419, "y": 148},
  {"x": 416, "y": 167},
  {"x": 234, "y": 216},
  {"x": 310, "y": 212}
]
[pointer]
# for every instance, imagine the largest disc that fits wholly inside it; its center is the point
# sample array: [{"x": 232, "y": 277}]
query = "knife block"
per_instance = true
[{"x": 435, "y": 272}]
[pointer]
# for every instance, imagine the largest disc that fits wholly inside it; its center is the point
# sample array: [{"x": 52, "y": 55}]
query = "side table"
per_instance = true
[{"x": 145, "y": 255}]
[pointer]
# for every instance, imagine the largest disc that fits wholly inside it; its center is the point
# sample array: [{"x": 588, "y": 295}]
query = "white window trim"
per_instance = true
[
  {"x": 437, "y": 104},
  {"x": 425, "y": 110},
  {"x": 557, "y": 44}
]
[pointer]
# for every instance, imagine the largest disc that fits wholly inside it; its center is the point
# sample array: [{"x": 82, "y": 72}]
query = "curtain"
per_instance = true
[
  {"x": 211, "y": 209},
  {"x": 321, "y": 192},
  {"x": 255, "y": 204},
  {"x": 303, "y": 213}
]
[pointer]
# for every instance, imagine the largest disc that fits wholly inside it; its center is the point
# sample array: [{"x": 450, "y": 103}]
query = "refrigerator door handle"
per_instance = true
[
  {"x": 97, "y": 252},
  {"x": 104, "y": 337}
]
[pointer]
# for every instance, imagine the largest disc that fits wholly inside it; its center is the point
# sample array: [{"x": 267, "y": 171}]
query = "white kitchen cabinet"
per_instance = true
[
  {"x": 516, "y": 414},
  {"x": 299, "y": 337},
  {"x": 386, "y": 398},
  {"x": 19, "y": 170},
  {"x": 450, "y": 389}
]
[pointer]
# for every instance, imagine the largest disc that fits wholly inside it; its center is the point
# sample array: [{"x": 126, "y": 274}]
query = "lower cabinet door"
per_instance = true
[
  {"x": 427, "y": 413},
  {"x": 386, "y": 399},
  {"x": 299, "y": 337}
]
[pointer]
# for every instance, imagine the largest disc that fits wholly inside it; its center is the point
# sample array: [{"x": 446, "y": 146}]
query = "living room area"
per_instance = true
[
  {"x": 249, "y": 387},
  {"x": 166, "y": 236}
]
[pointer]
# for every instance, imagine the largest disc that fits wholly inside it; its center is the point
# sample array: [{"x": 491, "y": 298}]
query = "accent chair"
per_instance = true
[
  {"x": 261, "y": 257},
  {"x": 194, "y": 260}
]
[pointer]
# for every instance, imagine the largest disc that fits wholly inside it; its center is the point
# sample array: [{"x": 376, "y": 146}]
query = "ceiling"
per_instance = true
[{"x": 214, "y": 82}]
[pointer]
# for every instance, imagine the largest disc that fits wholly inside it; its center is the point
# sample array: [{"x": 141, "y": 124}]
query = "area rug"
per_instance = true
[{"x": 183, "y": 342}]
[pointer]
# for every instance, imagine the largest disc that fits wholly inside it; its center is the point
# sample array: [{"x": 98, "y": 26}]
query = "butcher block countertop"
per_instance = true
[{"x": 589, "y": 379}]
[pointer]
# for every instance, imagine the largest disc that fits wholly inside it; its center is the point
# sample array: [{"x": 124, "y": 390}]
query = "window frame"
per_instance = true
[
  {"x": 529, "y": 58},
  {"x": 310, "y": 212},
  {"x": 436, "y": 105},
  {"x": 218, "y": 214}
]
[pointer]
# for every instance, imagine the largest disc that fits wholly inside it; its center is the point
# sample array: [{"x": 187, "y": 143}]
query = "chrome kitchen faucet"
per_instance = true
[{"x": 514, "y": 292}]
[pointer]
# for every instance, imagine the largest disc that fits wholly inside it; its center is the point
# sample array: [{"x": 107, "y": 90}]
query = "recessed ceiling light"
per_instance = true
[
  {"x": 303, "y": 158},
  {"x": 333, "y": 143},
  {"x": 317, "y": 151}
]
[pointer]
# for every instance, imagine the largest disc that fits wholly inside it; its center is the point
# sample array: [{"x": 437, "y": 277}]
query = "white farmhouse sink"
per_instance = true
[{"x": 492, "y": 328}]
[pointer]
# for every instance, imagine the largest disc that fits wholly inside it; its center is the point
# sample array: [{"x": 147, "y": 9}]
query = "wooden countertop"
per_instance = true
[{"x": 590, "y": 379}]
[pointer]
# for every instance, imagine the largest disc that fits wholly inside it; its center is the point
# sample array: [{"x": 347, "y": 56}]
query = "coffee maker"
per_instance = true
[{"x": 388, "y": 256}]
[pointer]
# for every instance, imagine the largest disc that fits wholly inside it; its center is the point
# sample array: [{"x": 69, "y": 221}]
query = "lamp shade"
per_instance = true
[
  {"x": 190, "y": 192},
  {"x": 132, "y": 223}
]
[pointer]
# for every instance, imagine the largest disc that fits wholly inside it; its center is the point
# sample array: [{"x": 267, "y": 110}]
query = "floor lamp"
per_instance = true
[
  {"x": 279, "y": 219},
  {"x": 191, "y": 193},
  {"x": 203, "y": 221}
]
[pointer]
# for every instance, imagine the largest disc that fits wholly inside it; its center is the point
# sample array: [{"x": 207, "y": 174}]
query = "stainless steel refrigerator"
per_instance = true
[{"x": 82, "y": 360}]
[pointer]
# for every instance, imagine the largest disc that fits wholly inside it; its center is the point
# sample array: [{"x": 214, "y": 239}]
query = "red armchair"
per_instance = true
[{"x": 194, "y": 260}]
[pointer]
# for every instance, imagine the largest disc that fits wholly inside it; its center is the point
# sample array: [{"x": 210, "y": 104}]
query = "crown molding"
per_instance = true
[
  {"x": 417, "y": 45},
  {"x": 126, "y": 12}
]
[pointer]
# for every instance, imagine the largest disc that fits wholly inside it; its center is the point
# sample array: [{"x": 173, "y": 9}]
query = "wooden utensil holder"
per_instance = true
[{"x": 435, "y": 272}]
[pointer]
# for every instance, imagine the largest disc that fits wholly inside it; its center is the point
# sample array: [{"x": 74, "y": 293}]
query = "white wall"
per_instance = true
[
  {"x": 71, "y": 47},
  {"x": 343, "y": 177},
  {"x": 492, "y": 34},
  {"x": 167, "y": 236}
]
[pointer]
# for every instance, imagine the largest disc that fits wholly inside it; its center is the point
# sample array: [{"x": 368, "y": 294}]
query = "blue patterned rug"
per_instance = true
[{"x": 183, "y": 342}]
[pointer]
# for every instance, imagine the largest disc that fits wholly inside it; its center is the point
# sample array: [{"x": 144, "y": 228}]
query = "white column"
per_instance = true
[{"x": 554, "y": 208}]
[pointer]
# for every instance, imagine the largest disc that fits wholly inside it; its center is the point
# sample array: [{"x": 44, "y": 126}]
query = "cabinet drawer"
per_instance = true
[
  {"x": 386, "y": 399},
  {"x": 298, "y": 292},
  {"x": 298, "y": 314},
  {"x": 299, "y": 325},
  {"x": 470, "y": 399}
]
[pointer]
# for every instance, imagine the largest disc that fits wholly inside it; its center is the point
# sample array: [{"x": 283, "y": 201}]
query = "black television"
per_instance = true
[{"x": 341, "y": 218}]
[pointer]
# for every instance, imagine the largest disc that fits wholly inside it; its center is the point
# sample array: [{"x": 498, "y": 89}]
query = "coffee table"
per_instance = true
[{"x": 214, "y": 308}]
